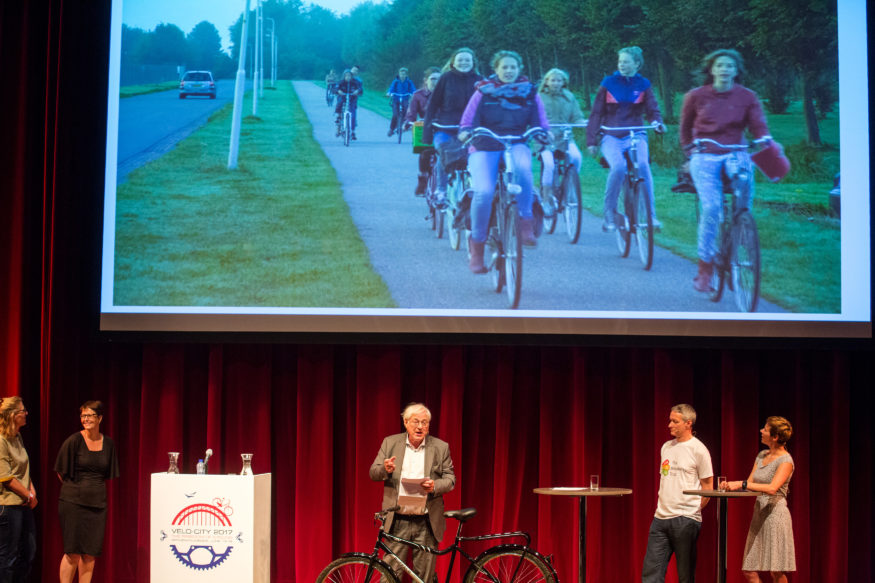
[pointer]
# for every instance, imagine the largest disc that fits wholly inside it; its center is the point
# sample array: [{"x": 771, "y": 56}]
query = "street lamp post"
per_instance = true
[
  {"x": 239, "y": 88},
  {"x": 272, "y": 52},
  {"x": 256, "y": 53}
]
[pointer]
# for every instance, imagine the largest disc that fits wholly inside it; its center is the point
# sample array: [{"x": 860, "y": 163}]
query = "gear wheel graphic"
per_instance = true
[{"x": 216, "y": 558}]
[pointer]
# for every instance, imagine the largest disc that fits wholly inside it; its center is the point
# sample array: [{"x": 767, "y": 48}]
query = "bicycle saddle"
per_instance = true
[{"x": 462, "y": 514}]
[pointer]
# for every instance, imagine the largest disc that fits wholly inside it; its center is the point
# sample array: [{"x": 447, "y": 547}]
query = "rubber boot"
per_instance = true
[
  {"x": 527, "y": 232},
  {"x": 421, "y": 184},
  {"x": 475, "y": 264},
  {"x": 702, "y": 281}
]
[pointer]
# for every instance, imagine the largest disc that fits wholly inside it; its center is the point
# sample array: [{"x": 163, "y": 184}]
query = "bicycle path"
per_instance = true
[{"x": 378, "y": 177}]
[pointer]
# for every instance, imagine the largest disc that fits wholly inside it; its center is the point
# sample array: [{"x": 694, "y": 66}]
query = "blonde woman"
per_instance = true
[
  {"x": 17, "y": 495},
  {"x": 562, "y": 108}
]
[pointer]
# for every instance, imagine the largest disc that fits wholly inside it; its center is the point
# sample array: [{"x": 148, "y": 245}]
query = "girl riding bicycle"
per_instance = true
[
  {"x": 623, "y": 99},
  {"x": 721, "y": 110},
  {"x": 562, "y": 108},
  {"x": 348, "y": 86},
  {"x": 448, "y": 101},
  {"x": 418, "y": 103},
  {"x": 508, "y": 104}
]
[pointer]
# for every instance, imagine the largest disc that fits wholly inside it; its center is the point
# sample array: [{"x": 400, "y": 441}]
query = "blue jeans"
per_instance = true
[
  {"x": 483, "y": 166},
  {"x": 612, "y": 150},
  {"x": 442, "y": 177},
  {"x": 17, "y": 543},
  {"x": 667, "y": 536},
  {"x": 707, "y": 173},
  {"x": 548, "y": 164}
]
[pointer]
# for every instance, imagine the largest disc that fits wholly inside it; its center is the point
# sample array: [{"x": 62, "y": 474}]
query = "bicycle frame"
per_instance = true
[{"x": 452, "y": 550}]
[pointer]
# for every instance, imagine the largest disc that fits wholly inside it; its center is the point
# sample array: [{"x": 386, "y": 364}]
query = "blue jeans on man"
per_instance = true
[
  {"x": 17, "y": 543},
  {"x": 671, "y": 535}
]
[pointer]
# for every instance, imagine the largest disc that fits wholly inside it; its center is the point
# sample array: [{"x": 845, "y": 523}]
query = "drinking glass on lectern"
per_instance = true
[
  {"x": 594, "y": 482},
  {"x": 720, "y": 481}
]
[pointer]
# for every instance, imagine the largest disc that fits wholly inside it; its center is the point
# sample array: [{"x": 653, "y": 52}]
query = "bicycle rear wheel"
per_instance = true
[
  {"x": 355, "y": 570},
  {"x": 439, "y": 220},
  {"x": 509, "y": 565},
  {"x": 571, "y": 208},
  {"x": 643, "y": 226},
  {"x": 744, "y": 262},
  {"x": 623, "y": 221},
  {"x": 513, "y": 257}
]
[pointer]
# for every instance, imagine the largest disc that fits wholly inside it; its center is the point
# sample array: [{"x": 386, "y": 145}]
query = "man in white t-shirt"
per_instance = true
[{"x": 685, "y": 464}]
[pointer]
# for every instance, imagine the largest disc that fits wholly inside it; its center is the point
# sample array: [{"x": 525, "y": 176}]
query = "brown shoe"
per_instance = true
[
  {"x": 475, "y": 264},
  {"x": 527, "y": 232},
  {"x": 702, "y": 281}
]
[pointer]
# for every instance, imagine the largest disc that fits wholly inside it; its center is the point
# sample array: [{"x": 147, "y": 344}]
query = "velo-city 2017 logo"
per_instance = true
[{"x": 201, "y": 535}]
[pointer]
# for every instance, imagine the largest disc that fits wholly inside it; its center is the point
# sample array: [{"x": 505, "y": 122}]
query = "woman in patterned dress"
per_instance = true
[{"x": 769, "y": 544}]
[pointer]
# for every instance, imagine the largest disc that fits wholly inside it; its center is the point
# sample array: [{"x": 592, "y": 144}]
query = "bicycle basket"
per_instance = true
[
  {"x": 772, "y": 161},
  {"x": 453, "y": 155}
]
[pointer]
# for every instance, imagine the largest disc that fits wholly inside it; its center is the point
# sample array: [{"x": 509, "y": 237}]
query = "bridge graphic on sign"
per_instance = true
[{"x": 203, "y": 556}]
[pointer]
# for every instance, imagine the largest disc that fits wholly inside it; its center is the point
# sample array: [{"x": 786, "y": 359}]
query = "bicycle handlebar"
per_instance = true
[
  {"x": 528, "y": 134},
  {"x": 700, "y": 143},
  {"x": 629, "y": 128},
  {"x": 443, "y": 127},
  {"x": 566, "y": 126}
]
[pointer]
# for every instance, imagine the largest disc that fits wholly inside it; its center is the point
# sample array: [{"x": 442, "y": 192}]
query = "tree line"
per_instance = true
[{"x": 790, "y": 46}]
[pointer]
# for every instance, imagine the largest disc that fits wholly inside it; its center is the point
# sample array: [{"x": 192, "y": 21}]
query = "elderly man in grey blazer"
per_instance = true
[{"x": 414, "y": 455}]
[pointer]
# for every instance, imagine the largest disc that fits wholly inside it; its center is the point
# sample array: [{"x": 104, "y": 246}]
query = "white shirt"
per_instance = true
[
  {"x": 413, "y": 466},
  {"x": 682, "y": 467}
]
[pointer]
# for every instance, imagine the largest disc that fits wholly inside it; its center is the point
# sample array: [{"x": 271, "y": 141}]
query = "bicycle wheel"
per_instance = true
[
  {"x": 513, "y": 258},
  {"x": 509, "y": 565},
  {"x": 399, "y": 128},
  {"x": 456, "y": 194},
  {"x": 347, "y": 129},
  {"x": 355, "y": 570},
  {"x": 572, "y": 209},
  {"x": 744, "y": 262},
  {"x": 643, "y": 226},
  {"x": 622, "y": 219},
  {"x": 721, "y": 266}
]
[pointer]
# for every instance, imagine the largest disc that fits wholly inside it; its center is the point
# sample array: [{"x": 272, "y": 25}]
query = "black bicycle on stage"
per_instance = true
[
  {"x": 503, "y": 563},
  {"x": 633, "y": 215}
]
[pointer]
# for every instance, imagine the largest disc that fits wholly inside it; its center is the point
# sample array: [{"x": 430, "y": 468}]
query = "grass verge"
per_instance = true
[
  {"x": 274, "y": 232},
  {"x": 132, "y": 90}
]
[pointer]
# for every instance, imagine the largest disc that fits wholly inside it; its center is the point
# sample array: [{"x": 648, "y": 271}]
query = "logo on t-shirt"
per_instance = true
[{"x": 665, "y": 468}]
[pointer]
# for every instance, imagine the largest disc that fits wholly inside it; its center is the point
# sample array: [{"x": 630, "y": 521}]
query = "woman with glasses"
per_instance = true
[
  {"x": 85, "y": 461},
  {"x": 17, "y": 495}
]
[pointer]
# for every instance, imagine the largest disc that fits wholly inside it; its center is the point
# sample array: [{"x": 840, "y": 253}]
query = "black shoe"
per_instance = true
[
  {"x": 353, "y": 137},
  {"x": 390, "y": 133}
]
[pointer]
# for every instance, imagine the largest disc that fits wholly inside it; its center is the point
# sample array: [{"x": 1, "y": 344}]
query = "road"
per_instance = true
[
  {"x": 151, "y": 124},
  {"x": 378, "y": 178}
]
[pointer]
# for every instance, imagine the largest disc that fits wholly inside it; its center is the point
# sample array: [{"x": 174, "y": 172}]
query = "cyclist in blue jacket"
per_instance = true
[{"x": 400, "y": 90}]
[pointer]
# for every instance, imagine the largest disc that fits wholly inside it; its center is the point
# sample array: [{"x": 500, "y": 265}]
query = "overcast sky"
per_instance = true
[{"x": 185, "y": 14}]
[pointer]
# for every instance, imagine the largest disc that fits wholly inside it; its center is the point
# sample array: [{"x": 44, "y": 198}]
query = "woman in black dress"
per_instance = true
[{"x": 85, "y": 461}]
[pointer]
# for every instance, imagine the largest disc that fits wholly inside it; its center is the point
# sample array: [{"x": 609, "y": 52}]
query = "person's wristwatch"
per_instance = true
[{"x": 744, "y": 484}]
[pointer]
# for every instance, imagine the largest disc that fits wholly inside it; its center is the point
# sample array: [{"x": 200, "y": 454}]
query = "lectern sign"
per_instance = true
[
  {"x": 201, "y": 535},
  {"x": 214, "y": 528}
]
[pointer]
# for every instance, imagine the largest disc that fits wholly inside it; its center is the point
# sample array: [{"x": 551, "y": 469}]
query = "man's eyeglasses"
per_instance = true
[
  {"x": 418, "y": 423},
  {"x": 87, "y": 415},
  {"x": 21, "y": 411}
]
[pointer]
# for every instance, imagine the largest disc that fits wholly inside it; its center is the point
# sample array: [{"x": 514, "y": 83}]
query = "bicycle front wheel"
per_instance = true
[
  {"x": 744, "y": 262},
  {"x": 571, "y": 208},
  {"x": 643, "y": 226},
  {"x": 509, "y": 565},
  {"x": 355, "y": 570},
  {"x": 347, "y": 128},
  {"x": 513, "y": 258}
]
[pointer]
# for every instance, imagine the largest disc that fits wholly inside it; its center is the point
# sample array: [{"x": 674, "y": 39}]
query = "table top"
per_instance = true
[
  {"x": 722, "y": 494},
  {"x": 569, "y": 491}
]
